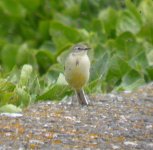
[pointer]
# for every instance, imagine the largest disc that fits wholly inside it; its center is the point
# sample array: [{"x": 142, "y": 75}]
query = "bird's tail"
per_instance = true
[{"x": 81, "y": 97}]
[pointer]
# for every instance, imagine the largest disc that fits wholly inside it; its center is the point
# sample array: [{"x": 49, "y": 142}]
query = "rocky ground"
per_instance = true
[{"x": 112, "y": 121}]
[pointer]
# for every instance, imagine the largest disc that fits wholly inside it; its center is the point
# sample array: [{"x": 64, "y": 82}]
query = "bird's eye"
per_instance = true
[{"x": 77, "y": 48}]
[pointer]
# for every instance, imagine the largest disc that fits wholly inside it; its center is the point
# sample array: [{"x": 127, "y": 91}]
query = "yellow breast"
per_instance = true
[
  {"x": 77, "y": 71},
  {"x": 77, "y": 79}
]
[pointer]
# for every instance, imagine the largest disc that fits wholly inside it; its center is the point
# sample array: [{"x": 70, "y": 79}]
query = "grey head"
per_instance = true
[{"x": 80, "y": 47}]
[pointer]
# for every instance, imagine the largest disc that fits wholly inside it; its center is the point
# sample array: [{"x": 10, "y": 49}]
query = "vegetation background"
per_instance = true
[{"x": 35, "y": 37}]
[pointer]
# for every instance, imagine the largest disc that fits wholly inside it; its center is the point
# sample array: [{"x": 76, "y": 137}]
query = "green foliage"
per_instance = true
[
  {"x": 36, "y": 36},
  {"x": 10, "y": 108}
]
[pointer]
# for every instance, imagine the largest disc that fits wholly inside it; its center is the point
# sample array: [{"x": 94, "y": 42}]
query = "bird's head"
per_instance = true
[{"x": 80, "y": 47}]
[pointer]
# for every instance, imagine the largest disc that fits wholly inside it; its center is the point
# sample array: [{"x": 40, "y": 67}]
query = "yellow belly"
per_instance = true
[
  {"x": 76, "y": 79},
  {"x": 77, "y": 70}
]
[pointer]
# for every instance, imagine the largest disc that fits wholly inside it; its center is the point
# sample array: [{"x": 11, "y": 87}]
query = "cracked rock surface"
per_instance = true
[{"x": 111, "y": 121}]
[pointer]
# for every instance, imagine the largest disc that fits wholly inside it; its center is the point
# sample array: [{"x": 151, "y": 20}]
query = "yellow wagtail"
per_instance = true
[{"x": 77, "y": 70}]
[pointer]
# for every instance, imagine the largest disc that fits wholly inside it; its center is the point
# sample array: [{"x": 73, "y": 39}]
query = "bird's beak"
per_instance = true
[{"x": 88, "y": 48}]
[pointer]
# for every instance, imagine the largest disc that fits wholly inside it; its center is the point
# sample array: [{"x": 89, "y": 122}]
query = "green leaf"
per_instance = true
[
  {"x": 6, "y": 86},
  {"x": 52, "y": 74},
  {"x": 139, "y": 61},
  {"x": 96, "y": 25},
  {"x": 146, "y": 33},
  {"x": 28, "y": 32},
  {"x": 94, "y": 86},
  {"x": 44, "y": 59},
  {"x": 100, "y": 66},
  {"x": 56, "y": 68},
  {"x": 43, "y": 29},
  {"x": 61, "y": 80},
  {"x": 149, "y": 74},
  {"x": 118, "y": 66},
  {"x": 62, "y": 55},
  {"x": 131, "y": 80},
  {"x": 126, "y": 46},
  {"x": 8, "y": 56},
  {"x": 25, "y": 55},
  {"x": 55, "y": 93},
  {"x": 145, "y": 9},
  {"x": 128, "y": 22},
  {"x": 72, "y": 8},
  {"x": 10, "y": 109},
  {"x": 150, "y": 58},
  {"x": 7, "y": 97},
  {"x": 24, "y": 98},
  {"x": 13, "y": 8},
  {"x": 34, "y": 87},
  {"x": 31, "y": 5},
  {"x": 26, "y": 73},
  {"x": 7, "y": 92},
  {"x": 109, "y": 18},
  {"x": 62, "y": 34},
  {"x": 133, "y": 9}
]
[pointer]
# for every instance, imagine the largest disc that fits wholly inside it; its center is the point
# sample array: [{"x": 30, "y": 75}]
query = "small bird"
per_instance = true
[{"x": 77, "y": 70}]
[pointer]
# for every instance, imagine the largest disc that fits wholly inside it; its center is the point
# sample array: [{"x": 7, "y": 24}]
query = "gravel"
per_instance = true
[{"x": 111, "y": 121}]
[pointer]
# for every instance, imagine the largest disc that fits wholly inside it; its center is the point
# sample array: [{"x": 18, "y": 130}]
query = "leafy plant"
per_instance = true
[{"x": 36, "y": 36}]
